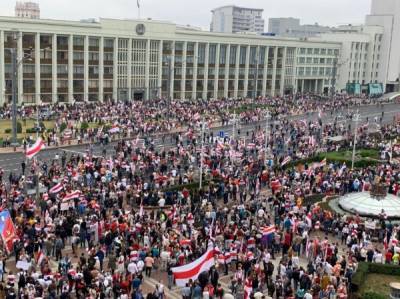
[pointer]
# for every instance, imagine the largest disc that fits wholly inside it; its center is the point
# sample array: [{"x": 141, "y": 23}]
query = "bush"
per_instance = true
[
  {"x": 312, "y": 199},
  {"x": 63, "y": 126},
  {"x": 372, "y": 295},
  {"x": 19, "y": 127},
  {"x": 8, "y": 131},
  {"x": 84, "y": 125},
  {"x": 31, "y": 130},
  {"x": 364, "y": 269}
]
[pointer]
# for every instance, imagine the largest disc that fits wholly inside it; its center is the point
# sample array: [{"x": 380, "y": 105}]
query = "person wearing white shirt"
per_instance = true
[
  {"x": 132, "y": 268},
  {"x": 140, "y": 266}
]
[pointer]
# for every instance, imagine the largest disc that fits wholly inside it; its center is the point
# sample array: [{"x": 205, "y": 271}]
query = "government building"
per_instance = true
[
  {"x": 68, "y": 61},
  {"x": 141, "y": 59}
]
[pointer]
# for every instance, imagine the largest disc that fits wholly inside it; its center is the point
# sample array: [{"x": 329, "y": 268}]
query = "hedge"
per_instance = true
[
  {"x": 373, "y": 295},
  {"x": 338, "y": 157},
  {"x": 365, "y": 268}
]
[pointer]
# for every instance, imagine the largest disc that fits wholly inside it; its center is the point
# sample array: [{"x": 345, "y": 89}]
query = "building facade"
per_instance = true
[
  {"x": 386, "y": 14},
  {"x": 290, "y": 27},
  {"x": 29, "y": 10},
  {"x": 233, "y": 19},
  {"x": 125, "y": 59}
]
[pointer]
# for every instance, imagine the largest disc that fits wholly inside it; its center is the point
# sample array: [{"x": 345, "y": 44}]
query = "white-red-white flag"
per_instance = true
[
  {"x": 266, "y": 230},
  {"x": 184, "y": 273},
  {"x": 35, "y": 148},
  {"x": 286, "y": 161},
  {"x": 72, "y": 195},
  {"x": 56, "y": 188}
]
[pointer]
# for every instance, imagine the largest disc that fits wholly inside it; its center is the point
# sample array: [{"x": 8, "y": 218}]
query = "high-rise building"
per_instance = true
[
  {"x": 290, "y": 27},
  {"x": 28, "y": 10},
  {"x": 233, "y": 19}
]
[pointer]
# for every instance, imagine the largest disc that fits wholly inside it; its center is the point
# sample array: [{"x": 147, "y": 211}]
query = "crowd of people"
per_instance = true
[{"x": 117, "y": 225}]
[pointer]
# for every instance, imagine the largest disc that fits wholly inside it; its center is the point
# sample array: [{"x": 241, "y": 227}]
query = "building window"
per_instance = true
[{"x": 232, "y": 55}]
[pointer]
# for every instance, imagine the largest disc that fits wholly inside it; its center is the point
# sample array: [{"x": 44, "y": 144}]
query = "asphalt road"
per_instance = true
[{"x": 11, "y": 162}]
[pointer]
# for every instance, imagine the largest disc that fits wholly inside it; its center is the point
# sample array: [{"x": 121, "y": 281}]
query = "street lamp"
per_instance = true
[
  {"x": 267, "y": 116},
  {"x": 201, "y": 153},
  {"x": 356, "y": 119},
  {"x": 14, "y": 83}
]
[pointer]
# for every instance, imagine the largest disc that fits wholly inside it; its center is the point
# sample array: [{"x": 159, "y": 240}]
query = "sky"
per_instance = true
[{"x": 198, "y": 12}]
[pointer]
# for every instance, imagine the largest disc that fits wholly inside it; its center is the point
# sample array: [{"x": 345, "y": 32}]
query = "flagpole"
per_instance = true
[
  {"x": 138, "y": 6},
  {"x": 356, "y": 119}
]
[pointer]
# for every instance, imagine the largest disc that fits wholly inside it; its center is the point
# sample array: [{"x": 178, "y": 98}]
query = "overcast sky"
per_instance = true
[{"x": 197, "y": 13}]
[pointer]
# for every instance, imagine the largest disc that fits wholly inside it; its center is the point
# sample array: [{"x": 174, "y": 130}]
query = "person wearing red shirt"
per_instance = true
[{"x": 388, "y": 257}]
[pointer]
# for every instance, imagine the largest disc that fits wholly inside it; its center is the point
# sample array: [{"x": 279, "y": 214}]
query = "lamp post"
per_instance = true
[
  {"x": 201, "y": 153},
  {"x": 15, "y": 63},
  {"x": 267, "y": 116},
  {"x": 356, "y": 119}
]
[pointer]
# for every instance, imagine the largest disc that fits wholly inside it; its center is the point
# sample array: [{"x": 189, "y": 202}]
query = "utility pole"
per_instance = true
[
  {"x": 169, "y": 86},
  {"x": 267, "y": 116},
  {"x": 234, "y": 126},
  {"x": 356, "y": 119},
  {"x": 14, "y": 97},
  {"x": 37, "y": 162},
  {"x": 255, "y": 79},
  {"x": 201, "y": 153}
]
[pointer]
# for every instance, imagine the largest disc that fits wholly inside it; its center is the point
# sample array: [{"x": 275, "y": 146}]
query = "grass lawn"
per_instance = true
[
  {"x": 28, "y": 124},
  {"x": 347, "y": 155},
  {"x": 378, "y": 283}
]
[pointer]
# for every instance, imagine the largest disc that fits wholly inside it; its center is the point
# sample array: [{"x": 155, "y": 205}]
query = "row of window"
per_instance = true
[{"x": 318, "y": 51}]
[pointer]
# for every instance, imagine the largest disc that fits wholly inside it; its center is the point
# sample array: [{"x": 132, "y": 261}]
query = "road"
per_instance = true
[{"x": 11, "y": 162}]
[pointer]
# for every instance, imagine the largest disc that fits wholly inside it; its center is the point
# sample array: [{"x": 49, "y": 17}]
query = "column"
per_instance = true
[
  {"x": 70, "y": 68},
  {"x": 2, "y": 75},
  {"x": 274, "y": 71},
  {"x": 86, "y": 69},
  {"x": 205, "y": 80},
  {"x": 216, "y": 71},
  {"x": 147, "y": 71},
  {"x": 101, "y": 69},
  {"x": 316, "y": 86},
  {"x": 302, "y": 86},
  {"x": 265, "y": 73},
  {"x": 129, "y": 69},
  {"x": 283, "y": 72},
  {"x": 54, "y": 69},
  {"x": 235, "y": 92},
  {"x": 172, "y": 64},
  {"x": 115, "y": 69},
  {"x": 246, "y": 72},
  {"x": 160, "y": 67},
  {"x": 195, "y": 65},
  {"x": 183, "y": 78},
  {"x": 226, "y": 79},
  {"x": 20, "y": 69},
  {"x": 37, "y": 69}
]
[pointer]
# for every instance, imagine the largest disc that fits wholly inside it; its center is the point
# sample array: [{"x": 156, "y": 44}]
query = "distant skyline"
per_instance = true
[{"x": 198, "y": 13}]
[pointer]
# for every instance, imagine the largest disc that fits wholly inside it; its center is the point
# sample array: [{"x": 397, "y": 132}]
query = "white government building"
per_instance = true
[{"x": 141, "y": 59}]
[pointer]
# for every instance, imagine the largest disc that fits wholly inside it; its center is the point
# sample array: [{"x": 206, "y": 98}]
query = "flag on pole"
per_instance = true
[
  {"x": 267, "y": 230},
  {"x": 56, "y": 188},
  {"x": 286, "y": 161},
  {"x": 35, "y": 148},
  {"x": 322, "y": 163},
  {"x": 192, "y": 270},
  {"x": 72, "y": 195},
  {"x": 39, "y": 257},
  {"x": 138, "y": 3},
  {"x": 7, "y": 230}
]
